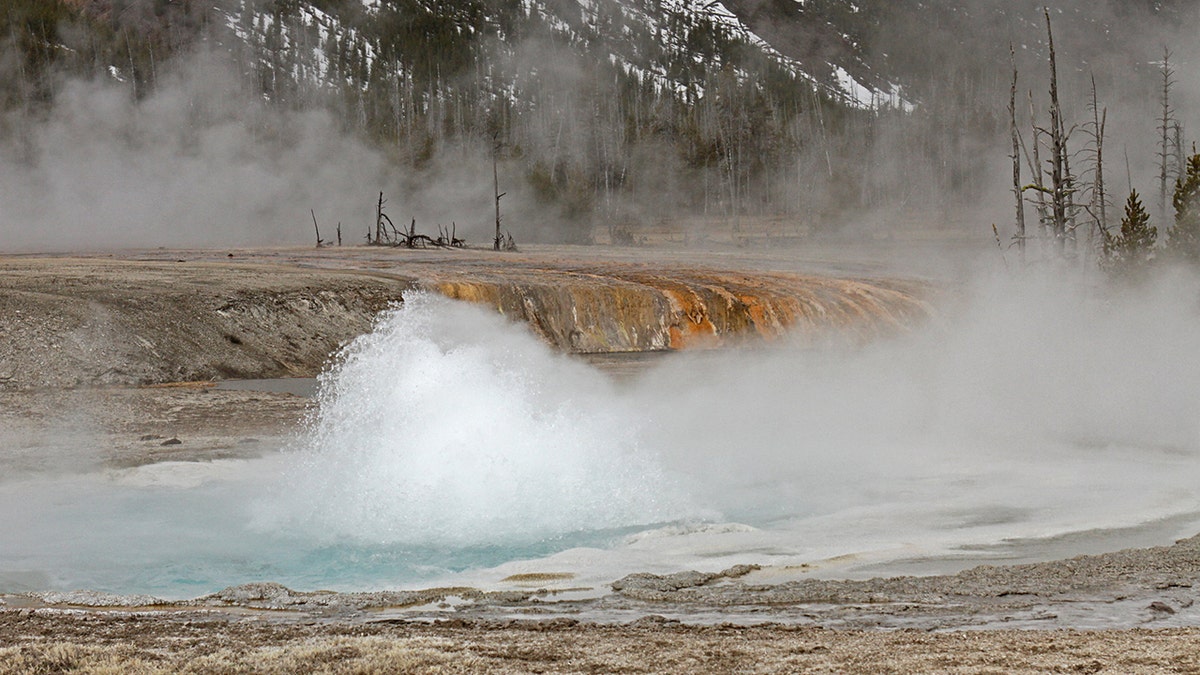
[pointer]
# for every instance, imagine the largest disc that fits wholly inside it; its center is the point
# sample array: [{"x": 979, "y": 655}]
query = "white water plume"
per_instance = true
[{"x": 446, "y": 425}]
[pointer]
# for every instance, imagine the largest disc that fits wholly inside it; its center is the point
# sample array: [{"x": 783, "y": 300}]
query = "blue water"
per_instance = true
[{"x": 88, "y": 532}]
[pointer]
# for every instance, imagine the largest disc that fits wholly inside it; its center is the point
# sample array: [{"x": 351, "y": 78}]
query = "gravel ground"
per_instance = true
[{"x": 188, "y": 643}]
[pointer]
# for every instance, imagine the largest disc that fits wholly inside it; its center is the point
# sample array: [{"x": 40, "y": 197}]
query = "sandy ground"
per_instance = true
[{"x": 991, "y": 619}]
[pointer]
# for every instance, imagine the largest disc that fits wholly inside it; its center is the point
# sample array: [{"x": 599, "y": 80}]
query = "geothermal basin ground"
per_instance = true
[{"x": 573, "y": 459}]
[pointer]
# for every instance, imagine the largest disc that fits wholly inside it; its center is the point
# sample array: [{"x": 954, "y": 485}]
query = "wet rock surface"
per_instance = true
[
  {"x": 175, "y": 316},
  {"x": 1124, "y": 589}
]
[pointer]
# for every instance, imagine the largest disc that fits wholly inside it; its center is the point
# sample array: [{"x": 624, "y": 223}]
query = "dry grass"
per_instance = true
[
  {"x": 644, "y": 647},
  {"x": 538, "y": 577}
]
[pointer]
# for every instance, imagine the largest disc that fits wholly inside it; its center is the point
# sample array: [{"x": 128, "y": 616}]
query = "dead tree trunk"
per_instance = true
[
  {"x": 381, "y": 222},
  {"x": 1058, "y": 149},
  {"x": 1180, "y": 155},
  {"x": 1164, "y": 128},
  {"x": 1069, "y": 188},
  {"x": 379, "y": 231},
  {"x": 1018, "y": 194},
  {"x": 317, "y": 228},
  {"x": 1099, "y": 191},
  {"x": 498, "y": 241},
  {"x": 1035, "y": 167},
  {"x": 1128, "y": 172}
]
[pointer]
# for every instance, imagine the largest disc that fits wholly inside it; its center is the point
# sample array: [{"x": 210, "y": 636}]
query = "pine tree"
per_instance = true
[
  {"x": 1184, "y": 242},
  {"x": 1133, "y": 247}
]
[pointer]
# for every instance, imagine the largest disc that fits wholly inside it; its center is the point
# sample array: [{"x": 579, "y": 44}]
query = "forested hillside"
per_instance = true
[{"x": 612, "y": 117}]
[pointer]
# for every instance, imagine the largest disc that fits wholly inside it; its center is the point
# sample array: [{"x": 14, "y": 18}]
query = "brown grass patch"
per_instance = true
[{"x": 538, "y": 576}]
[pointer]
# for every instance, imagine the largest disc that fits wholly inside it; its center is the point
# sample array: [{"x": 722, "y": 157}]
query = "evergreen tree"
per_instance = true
[
  {"x": 1184, "y": 242},
  {"x": 1133, "y": 247}
]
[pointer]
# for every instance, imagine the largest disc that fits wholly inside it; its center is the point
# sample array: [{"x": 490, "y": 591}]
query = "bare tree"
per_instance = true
[
  {"x": 1060, "y": 180},
  {"x": 320, "y": 242},
  {"x": 382, "y": 222},
  {"x": 380, "y": 232},
  {"x": 1035, "y": 168},
  {"x": 498, "y": 242},
  {"x": 1180, "y": 155},
  {"x": 1099, "y": 196},
  {"x": 1165, "y": 124},
  {"x": 1016, "y": 157},
  {"x": 1056, "y": 201}
]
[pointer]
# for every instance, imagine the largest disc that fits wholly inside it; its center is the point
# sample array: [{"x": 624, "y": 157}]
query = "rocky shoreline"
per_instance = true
[
  {"x": 1132, "y": 588},
  {"x": 1132, "y": 612}
]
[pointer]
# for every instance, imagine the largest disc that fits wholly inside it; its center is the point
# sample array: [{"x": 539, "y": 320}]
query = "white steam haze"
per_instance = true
[
  {"x": 1036, "y": 409},
  {"x": 449, "y": 442},
  {"x": 199, "y": 162}
]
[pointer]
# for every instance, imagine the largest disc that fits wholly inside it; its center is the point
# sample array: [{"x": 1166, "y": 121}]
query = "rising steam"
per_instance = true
[{"x": 200, "y": 162}]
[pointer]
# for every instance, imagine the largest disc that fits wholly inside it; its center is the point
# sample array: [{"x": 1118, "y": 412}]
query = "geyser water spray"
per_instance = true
[{"x": 448, "y": 426}]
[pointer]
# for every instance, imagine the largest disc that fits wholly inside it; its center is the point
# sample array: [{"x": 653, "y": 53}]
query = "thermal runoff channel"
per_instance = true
[{"x": 449, "y": 444}]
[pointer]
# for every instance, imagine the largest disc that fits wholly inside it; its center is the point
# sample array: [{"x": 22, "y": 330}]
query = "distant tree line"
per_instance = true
[
  {"x": 708, "y": 126},
  {"x": 43, "y": 42},
  {"x": 705, "y": 126}
]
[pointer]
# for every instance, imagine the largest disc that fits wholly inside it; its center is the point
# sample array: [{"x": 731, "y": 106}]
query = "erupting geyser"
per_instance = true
[
  {"x": 449, "y": 426},
  {"x": 450, "y": 441}
]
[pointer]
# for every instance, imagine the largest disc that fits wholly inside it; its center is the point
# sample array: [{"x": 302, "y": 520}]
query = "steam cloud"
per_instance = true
[
  {"x": 204, "y": 161},
  {"x": 200, "y": 162}
]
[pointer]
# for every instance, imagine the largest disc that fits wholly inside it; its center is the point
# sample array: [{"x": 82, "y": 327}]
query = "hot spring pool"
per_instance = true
[{"x": 452, "y": 447}]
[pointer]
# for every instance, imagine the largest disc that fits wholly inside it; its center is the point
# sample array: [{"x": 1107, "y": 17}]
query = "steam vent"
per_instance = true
[{"x": 180, "y": 316}]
